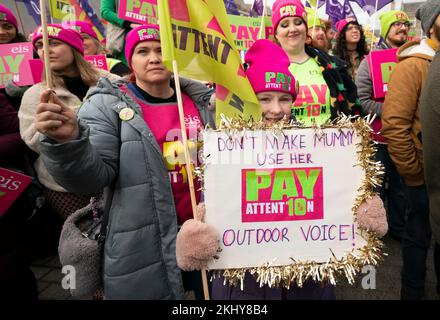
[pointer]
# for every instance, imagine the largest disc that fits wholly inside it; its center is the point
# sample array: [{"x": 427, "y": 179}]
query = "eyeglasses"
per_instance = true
[{"x": 401, "y": 24}]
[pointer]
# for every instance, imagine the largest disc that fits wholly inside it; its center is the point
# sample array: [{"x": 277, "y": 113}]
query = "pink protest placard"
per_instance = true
[
  {"x": 99, "y": 61},
  {"x": 12, "y": 184},
  {"x": 381, "y": 64},
  {"x": 14, "y": 64},
  {"x": 282, "y": 194},
  {"x": 138, "y": 11},
  {"x": 37, "y": 67}
]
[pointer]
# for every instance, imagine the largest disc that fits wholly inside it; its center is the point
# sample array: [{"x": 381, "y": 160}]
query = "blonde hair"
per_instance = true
[
  {"x": 88, "y": 73},
  {"x": 101, "y": 48}
]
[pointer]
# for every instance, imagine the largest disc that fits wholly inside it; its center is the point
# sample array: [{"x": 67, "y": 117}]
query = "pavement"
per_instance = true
[{"x": 387, "y": 284}]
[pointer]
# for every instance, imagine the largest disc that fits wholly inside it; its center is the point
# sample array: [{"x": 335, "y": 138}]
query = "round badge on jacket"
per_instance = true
[{"x": 126, "y": 114}]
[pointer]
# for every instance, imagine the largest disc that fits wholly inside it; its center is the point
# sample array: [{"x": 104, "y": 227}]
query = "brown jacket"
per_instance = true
[
  {"x": 401, "y": 110},
  {"x": 29, "y": 133}
]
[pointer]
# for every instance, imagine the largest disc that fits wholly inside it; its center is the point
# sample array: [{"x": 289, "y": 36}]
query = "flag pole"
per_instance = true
[
  {"x": 188, "y": 162},
  {"x": 47, "y": 70},
  {"x": 374, "y": 25},
  {"x": 315, "y": 14},
  {"x": 262, "y": 26},
  {"x": 19, "y": 18}
]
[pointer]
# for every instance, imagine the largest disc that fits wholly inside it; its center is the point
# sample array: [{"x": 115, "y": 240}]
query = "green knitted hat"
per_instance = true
[{"x": 388, "y": 18}]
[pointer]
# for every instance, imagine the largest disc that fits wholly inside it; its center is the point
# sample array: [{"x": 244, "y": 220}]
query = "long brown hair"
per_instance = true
[
  {"x": 341, "y": 45},
  {"x": 88, "y": 73}
]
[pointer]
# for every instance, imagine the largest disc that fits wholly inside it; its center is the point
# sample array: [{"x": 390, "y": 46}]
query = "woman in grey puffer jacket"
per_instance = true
[{"x": 126, "y": 133}]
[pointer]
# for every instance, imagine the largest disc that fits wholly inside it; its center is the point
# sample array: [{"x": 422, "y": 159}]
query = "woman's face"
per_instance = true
[
  {"x": 353, "y": 33},
  {"x": 60, "y": 54},
  {"x": 7, "y": 32},
  {"x": 275, "y": 105},
  {"x": 91, "y": 45},
  {"x": 291, "y": 33},
  {"x": 146, "y": 63}
]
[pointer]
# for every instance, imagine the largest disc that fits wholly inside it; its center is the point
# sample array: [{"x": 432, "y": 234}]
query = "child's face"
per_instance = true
[{"x": 275, "y": 105}]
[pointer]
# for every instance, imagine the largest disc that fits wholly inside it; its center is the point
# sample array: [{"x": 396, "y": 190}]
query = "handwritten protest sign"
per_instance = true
[
  {"x": 245, "y": 30},
  {"x": 14, "y": 63},
  {"x": 12, "y": 184},
  {"x": 99, "y": 61},
  {"x": 281, "y": 197},
  {"x": 381, "y": 64},
  {"x": 138, "y": 11}
]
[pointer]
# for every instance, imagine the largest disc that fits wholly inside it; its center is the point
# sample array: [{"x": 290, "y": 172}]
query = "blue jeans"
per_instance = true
[
  {"x": 415, "y": 243},
  {"x": 392, "y": 193}
]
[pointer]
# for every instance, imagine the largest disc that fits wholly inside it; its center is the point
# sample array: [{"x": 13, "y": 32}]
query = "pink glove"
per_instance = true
[
  {"x": 197, "y": 243},
  {"x": 371, "y": 216}
]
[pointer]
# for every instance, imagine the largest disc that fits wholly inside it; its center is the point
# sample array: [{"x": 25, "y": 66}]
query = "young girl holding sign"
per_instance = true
[
  {"x": 73, "y": 79},
  {"x": 276, "y": 101}
]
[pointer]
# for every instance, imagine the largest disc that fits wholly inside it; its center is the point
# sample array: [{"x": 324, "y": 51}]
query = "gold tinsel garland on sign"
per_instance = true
[{"x": 300, "y": 271}]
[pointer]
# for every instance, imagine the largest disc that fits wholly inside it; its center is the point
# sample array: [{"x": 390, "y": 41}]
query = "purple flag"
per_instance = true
[
  {"x": 33, "y": 9},
  {"x": 348, "y": 10},
  {"x": 257, "y": 9},
  {"x": 337, "y": 11},
  {"x": 231, "y": 7},
  {"x": 370, "y": 5},
  {"x": 334, "y": 10},
  {"x": 92, "y": 15}
]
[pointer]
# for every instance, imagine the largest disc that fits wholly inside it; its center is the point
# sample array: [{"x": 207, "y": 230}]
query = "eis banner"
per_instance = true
[
  {"x": 12, "y": 184},
  {"x": 14, "y": 64}
]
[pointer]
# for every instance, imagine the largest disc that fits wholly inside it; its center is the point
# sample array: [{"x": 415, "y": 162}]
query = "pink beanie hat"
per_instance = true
[
  {"x": 56, "y": 31},
  {"x": 146, "y": 32},
  {"x": 342, "y": 23},
  {"x": 269, "y": 74},
  {"x": 287, "y": 8},
  {"x": 82, "y": 27},
  {"x": 6, "y": 15}
]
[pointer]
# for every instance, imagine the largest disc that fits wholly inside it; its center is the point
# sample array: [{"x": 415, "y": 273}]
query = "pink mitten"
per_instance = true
[
  {"x": 197, "y": 243},
  {"x": 371, "y": 216}
]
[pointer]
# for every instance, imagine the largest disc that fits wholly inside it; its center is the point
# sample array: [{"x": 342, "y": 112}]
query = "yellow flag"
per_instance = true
[
  {"x": 196, "y": 33},
  {"x": 59, "y": 9}
]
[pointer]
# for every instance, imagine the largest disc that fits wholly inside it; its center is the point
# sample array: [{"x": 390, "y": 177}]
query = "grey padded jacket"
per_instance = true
[{"x": 140, "y": 247}]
